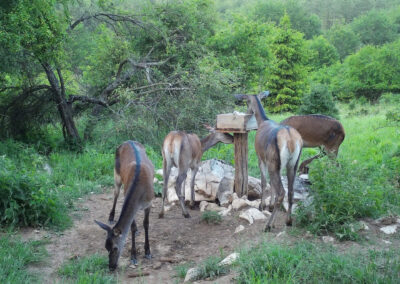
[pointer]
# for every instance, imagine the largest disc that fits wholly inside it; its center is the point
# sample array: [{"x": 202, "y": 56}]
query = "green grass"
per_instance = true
[
  {"x": 15, "y": 258},
  {"x": 305, "y": 262},
  {"x": 210, "y": 268},
  {"x": 211, "y": 217},
  {"x": 181, "y": 270},
  {"x": 88, "y": 269}
]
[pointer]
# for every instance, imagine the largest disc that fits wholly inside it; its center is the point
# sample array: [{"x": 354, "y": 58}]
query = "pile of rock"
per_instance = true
[{"x": 214, "y": 189}]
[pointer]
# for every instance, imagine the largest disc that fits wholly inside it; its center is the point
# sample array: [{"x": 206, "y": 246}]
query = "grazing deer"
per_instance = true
[
  {"x": 135, "y": 171},
  {"x": 277, "y": 147},
  {"x": 184, "y": 151},
  {"x": 317, "y": 130}
]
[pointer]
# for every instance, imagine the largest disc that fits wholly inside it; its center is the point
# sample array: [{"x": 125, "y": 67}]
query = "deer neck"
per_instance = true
[
  {"x": 259, "y": 112},
  {"x": 207, "y": 142}
]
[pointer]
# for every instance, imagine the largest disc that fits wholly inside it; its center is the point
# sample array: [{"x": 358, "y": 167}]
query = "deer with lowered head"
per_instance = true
[
  {"x": 184, "y": 151},
  {"x": 317, "y": 130},
  {"x": 135, "y": 171},
  {"x": 277, "y": 147}
]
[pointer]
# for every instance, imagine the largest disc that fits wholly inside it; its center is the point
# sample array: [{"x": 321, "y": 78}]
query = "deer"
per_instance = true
[
  {"x": 277, "y": 146},
  {"x": 184, "y": 151},
  {"x": 135, "y": 172},
  {"x": 317, "y": 130}
]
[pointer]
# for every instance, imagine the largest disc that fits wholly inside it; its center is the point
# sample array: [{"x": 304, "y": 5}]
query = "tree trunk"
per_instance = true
[{"x": 71, "y": 133}]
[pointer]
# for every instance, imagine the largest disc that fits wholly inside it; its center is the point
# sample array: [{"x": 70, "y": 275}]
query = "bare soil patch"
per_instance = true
[{"x": 174, "y": 240}]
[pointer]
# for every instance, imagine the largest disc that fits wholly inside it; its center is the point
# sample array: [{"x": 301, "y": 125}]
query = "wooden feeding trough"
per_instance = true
[{"x": 239, "y": 124}]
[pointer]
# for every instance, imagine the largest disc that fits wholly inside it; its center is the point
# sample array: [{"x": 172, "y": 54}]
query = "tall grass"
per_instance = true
[
  {"x": 15, "y": 258},
  {"x": 88, "y": 269},
  {"x": 304, "y": 262}
]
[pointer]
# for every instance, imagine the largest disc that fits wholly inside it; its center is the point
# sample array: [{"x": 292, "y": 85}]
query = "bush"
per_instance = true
[
  {"x": 210, "y": 268},
  {"x": 211, "y": 217},
  {"x": 319, "y": 101},
  {"x": 339, "y": 196},
  {"x": 27, "y": 197}
]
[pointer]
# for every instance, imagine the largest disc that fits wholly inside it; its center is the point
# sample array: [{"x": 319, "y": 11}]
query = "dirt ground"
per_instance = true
[{"x": 174, "y": 240}]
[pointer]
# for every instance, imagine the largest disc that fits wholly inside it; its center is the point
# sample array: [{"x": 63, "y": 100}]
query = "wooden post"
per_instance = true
[
  {"x": 241, "y": 161},
  {"x": 239, "y": 124}
]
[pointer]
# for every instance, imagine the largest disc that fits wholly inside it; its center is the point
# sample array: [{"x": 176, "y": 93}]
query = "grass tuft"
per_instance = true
[{"x": 211, "y": 217}]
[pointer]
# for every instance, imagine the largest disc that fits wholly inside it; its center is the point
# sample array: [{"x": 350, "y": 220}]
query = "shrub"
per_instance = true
[
  {"x": 27, "y": 198},
  {"x": 339, "y": 196},
  {"x": 210, "y": 268},
  {"x": 318, "y": 101},
  {"x": 211, "y": 217}
]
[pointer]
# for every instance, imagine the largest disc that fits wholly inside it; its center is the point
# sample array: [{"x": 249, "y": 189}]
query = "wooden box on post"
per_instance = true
[
  {"x": 239, "y": 124},
  {"x": 236, "y": 122}
]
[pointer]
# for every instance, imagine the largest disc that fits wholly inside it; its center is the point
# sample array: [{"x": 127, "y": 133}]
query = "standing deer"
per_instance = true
[
  {"x": 317, "y": 130},
  {"x": 184, "y": 151},
  {"x": 277, "y": 147},
  {"x": 135, "y": 171}
]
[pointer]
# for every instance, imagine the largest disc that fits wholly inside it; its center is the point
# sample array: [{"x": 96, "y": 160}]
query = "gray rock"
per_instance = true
[{"x": 388, "y": 230}]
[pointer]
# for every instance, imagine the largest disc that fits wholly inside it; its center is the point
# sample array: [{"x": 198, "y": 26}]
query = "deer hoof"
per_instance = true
[
  {"x": 267, "y": 228},
  {"x": 111, "y": 222},
  {"x": 133, "y": 261},
  {"x": 187, "y": 215},
  {"x": 270, "y": 208},
  {"x": 148, "y": 256},
  {"x": 161, "y": 215},
  {"x": 191, "y": 206},
  {"x": 289, "y": 222}
]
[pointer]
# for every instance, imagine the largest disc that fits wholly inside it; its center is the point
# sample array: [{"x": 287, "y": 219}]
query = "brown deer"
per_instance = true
[
  {"x": 277, "y": 147},
  {"x": 184, "y": 151},
  {"x": 135, "y": 171},
  {"x": 317, "y": 130}
]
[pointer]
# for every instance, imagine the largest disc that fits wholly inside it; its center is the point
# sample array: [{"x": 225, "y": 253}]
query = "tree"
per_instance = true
[
  {"x": 243, "y": 47},
  {"x": 323, "y": 54},
  {"x": 374, "y": 28},
  {"x": 301, "y": 19},
  {"x": 318, "y": 101},
  {"x": 286, "y": 79},
  {"x": 345, "y": 40}
]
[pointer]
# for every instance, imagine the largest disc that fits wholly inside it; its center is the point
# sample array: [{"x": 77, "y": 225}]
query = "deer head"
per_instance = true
[
  {"x": 216, "y": 137},
  {"x": 114, "y": 244}
]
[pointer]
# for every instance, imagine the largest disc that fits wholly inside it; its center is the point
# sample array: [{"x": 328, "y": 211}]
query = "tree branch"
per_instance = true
[{"x": 85, "y": 99}]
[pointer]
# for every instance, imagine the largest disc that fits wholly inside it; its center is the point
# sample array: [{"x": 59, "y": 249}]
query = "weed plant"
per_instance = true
[
  {"x": 15, "y": 257},
  {"x": 210, "y": 268},
  {"x": 211, "y": 217},
  {"x": 309, "y": 263},
  {"x": 88, "y": 269}
]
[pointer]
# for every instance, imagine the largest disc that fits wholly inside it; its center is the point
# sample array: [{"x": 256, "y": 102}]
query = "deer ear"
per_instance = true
[
  {"x": 263, "y": 95},
  {"x": 209, "y": 127},
  {"x": 103, "y": 226}
]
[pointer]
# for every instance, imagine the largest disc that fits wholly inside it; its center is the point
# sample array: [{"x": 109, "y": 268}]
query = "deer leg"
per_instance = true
[
  {"x": 291, "y": 173},
  {"x": 146, "y": 233},
  {"x": 302, "y": 168},
  {"x": 133, "y": 249},
  {"x": 194, "y": 172},
  {"x": 166, "y": 173},
  {"x": 276, "y": 184},
  {"x": 181, "y": 178},
  {"x": 117, "y": 189},
  {"x": 263, "y": 170}
]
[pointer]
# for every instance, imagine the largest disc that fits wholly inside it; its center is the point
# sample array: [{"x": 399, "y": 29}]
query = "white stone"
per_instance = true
[
  {"x": 304, "y": 176},
  {"x": 160, "y": 172},
  {"x": 214, "y": 207},
  {"x": 389, "y": 229},
  {"x": 387, "y": 242},
  {"x": 212, "y": 176},
  {"x": 246, "y": 216},
  {"x": 266, "y": 212},
  {"x": 203, "y": 205},
  {"x": 191, "y": 274},
  {"x": 226, "y": 211},
  {"x": 239, "y": 229},
  {"x": 254, "y": 203},
  {"x": 328, "y": 239},
  {"x": 155, "y": 180},
  {"x": 364, "y": 226},
  {"x": 256, "y": 214},
  {"x": 280, "y": 234},
  {"x": 238, "y": 204},
  {"x": 230, "y": 259}
]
